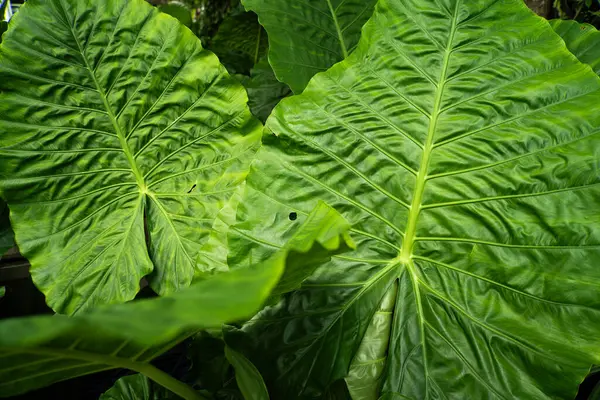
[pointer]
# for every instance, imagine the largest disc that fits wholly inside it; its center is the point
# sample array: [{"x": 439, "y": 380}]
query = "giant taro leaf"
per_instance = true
[
  {"x": 309, "y": 36},
  {"x": 461, "y": 141},
  {"x": 37, "y": 351},
  {"x": 112, "y": 114},
  {"x": 583, "y": 40}
]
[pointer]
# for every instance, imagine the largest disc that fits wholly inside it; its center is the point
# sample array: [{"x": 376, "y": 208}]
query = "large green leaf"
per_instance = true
[
  {"x": 309, "y": 36},
  {"x": 112, "y": 113},
  {"x": 583, "y": 40},
  {"x": 466, "y": 159},
  {"x": 37, "y": 351}
]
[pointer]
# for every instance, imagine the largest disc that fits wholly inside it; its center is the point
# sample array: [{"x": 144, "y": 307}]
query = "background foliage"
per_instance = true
[{"x": 579, "y": 10}]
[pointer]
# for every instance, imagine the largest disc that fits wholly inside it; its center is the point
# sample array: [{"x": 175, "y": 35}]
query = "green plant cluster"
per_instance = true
[
  {"x": 580, "y": 10},
  {"x": 336, "y": 199}
]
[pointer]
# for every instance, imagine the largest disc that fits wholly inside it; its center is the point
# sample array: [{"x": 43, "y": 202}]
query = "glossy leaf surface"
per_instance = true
[
  {"x": 247, "y": 376},
  {"x": 461, "y": 142},
  {"x": 113, "y": 113},
  {"x": 37, "y": 351},
  {"x": 306, "y": 37},
  {"x": 583, "y": 40}
]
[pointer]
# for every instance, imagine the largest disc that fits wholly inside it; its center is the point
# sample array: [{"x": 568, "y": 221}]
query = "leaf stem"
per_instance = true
[{"x": 339, "y": 31}]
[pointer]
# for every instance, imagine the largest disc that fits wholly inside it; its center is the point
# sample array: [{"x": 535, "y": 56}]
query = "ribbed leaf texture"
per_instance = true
[
  {"x": 461, "y": 141},
  {"x": 112, "y": 114}
]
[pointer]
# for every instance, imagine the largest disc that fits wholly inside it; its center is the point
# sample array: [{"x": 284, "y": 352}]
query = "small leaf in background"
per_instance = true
[
  {"x": 583, "y": 40},
  {"x": 210, "y": 368},
  {"x": 136, "y": 387},
  {"x": 264, "y": 90},
  {"x": 247, "y": 376},
  {"x": 179, "y": 11},
  {"x": 240, "y": 42},
  {"x": 306, "y": 37},
  {"x": 2, "y": 291},
  {"x": 7, "y": 237},
  {"x": 3, "y": 17}
]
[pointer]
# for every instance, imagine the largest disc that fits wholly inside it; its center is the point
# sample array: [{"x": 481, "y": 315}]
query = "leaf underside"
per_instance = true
[
  {"x": 459, "y": 142},
  {"x": 112, "y": 114},
  {"x": 306, "y": 37}
]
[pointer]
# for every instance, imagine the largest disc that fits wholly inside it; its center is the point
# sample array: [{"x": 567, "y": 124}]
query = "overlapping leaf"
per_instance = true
[
  {"x": 461, "y": 141},
  {"x": 583, "y": 40},
  {"x": 306, "y": 37},
  {"x": 112, "y": 113},
  {"x": 37, "y": 351}
]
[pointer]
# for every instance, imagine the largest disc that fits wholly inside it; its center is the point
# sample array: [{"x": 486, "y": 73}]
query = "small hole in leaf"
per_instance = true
[
  {"x": 193, "y": 187},
  {"x": 293, "y": 216}
]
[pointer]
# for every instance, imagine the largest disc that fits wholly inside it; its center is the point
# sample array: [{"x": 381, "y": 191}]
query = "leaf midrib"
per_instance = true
[
  {"x": 406, "y": 254},
  {"x": 106, "y": 362},
  {"x": 337, "y": 29}
]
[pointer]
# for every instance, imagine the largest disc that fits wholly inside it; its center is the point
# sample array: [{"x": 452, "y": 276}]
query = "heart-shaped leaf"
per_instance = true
[
  {"x": 113, "y": 114},
  {"x": 461, "y": 140}
]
